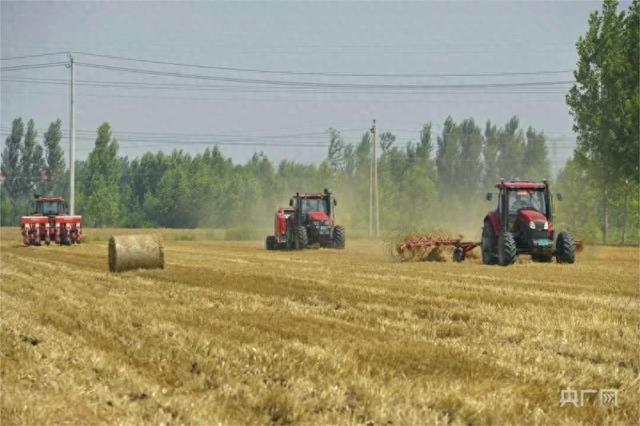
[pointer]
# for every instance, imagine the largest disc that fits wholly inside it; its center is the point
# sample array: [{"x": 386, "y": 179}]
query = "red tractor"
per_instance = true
[
  {"x": 47, "y": 221},
  {"x": 309, "y": 220},
  {"x": 522, "y": 224}
]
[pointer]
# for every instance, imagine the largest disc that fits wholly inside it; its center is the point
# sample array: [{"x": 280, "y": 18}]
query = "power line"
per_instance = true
[
  {"x": 125, "y": 84},
  {"x": 320, "y": 84},
  {"x": 213, "y": 88},
  {"x": 32, "y": 66},
  {"x": 10, "y": 58},
  {"x": 321, "y": 73}
]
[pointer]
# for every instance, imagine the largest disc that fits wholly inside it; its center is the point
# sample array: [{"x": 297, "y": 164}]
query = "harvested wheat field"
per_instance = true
[{"x": 229, "y": 333}]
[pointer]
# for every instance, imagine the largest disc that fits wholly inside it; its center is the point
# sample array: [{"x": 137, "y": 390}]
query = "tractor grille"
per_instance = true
[
  {"x": 528, "y": 235},
  {"x": 537, "y": 234},
  {"x": 322, "y": 228}
]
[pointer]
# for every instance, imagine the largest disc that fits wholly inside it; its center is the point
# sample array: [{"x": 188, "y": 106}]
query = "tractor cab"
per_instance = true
[
  {"x": 313, "y": 207},
  {"x": 47, "y": 206},
  {"x": 523, "y": 224},
  {"x": 525, "y": 204}
]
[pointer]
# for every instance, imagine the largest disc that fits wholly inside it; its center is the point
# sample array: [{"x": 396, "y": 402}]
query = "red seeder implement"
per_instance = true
[{"x": 410, "y": 248}]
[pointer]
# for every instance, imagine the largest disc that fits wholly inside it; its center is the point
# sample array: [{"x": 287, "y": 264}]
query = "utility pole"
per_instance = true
[
  {"x": 372, "y": 143},
  {"x": 375, "y": 181},
  {"x": 72, "y": 140}
]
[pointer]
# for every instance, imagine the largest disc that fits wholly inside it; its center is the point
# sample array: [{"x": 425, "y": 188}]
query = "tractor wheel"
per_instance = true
[
  {"x": 270, "y": 243},
  {"x": 458, "y": 254},
  {"x": 506, "y": 249},
  {"x": 541, "y": 258},
  {"x": 565, "y": 248},
  {"x": 488, "y": 245},
  {"x": 301, "y": 239},
  {"x": 339, "y": 237}
]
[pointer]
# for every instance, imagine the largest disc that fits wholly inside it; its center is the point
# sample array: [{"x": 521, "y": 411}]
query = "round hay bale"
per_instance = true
[{"x": 135, "y": 251}]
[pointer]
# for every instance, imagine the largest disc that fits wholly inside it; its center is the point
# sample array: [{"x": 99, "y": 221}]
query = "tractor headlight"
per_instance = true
[
  {"x": 532, "y": 225},
  {"x": 546, "y": 225}
]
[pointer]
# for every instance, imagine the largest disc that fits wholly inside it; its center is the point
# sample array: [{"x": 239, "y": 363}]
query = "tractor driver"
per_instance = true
[{"x": 520, "y": 200}]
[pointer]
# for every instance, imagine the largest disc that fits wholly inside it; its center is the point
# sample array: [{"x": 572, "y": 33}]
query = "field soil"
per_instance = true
[{"x": 229, "y": 333}]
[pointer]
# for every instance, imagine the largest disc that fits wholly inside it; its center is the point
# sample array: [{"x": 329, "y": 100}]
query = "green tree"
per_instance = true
[
  {"x": 54, "y": 159},
  {"x": 535, "y": 160},
  {"x": 448, "y": 156},
  {"x": 31, "y": 160},
  {"x": 469, "y": 172},
  {"x": 101, "y": 190},
  {"x": 576, "y": 212},
  {"x": 336, "y": 150},
  {"x": 604, "y": 101},
  {"x": 510, "y": 150},
  {"x": 490, "y": 156},
  {"x": 387, "y": 139},
  {"x": 12, "y": 188},
  {"x": 424, "y": 149},
  {"x": 349, "y": 160}
]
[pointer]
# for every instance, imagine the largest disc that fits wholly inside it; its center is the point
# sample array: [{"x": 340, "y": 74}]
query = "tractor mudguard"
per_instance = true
[{"x": 494, "y": 218}]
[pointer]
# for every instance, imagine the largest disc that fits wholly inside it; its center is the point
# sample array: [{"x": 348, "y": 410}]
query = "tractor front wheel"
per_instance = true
[
  {"x": 565, "y": 248},
  {"x": 270, "y": 243},
  {"x": 488, "y": 245},
  {"x": 339, "y": 237},
  {"x": 506, "y": 249},
  {"x": 301, "y": 239}
]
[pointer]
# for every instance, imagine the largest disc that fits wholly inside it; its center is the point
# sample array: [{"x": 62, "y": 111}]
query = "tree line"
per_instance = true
[{"x": 437, "y": 181}]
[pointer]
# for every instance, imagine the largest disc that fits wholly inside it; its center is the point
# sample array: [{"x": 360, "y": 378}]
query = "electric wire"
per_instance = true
[
  {"x": 40, "y": 55},
  {"x": 221, "y": 87},
  {"x": 320, "y": 73},
  {"x": 319, "y": 84},
  {"x": 32, "y": 66}
]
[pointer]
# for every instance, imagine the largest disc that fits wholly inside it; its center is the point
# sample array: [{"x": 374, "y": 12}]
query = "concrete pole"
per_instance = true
[
  {"x": 72, "y": 140},
  {"x": 375, "y": 180},
  {"x": 371, "y": 143}
]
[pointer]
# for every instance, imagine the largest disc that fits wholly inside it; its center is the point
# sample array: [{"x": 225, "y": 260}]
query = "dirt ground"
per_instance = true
[{"x": 229, "y": 333}]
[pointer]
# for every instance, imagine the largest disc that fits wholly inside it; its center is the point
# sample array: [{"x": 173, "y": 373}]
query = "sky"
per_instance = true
[{"x": 402, "y": 44}]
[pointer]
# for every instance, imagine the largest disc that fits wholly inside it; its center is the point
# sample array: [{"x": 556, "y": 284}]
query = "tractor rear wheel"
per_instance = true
[
  {"x": 565, "y": 248},
  {"x": 488, "y": 245},
  {"x": 506, "y": 249},
  {"x": 270, "y": 243},
  {"x": 301, "y": 239},
  {"x": 339, "y": 237}
]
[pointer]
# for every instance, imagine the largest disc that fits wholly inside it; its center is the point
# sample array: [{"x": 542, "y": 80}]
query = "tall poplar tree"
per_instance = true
[{"x": 604, "y": 101}]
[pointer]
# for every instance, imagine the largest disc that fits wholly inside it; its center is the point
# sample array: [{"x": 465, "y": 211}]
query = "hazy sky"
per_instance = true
[{"x": 362, "y": 38}]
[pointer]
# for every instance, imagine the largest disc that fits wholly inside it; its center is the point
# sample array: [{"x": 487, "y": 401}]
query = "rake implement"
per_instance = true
[{"x": 431, "y": 248}]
